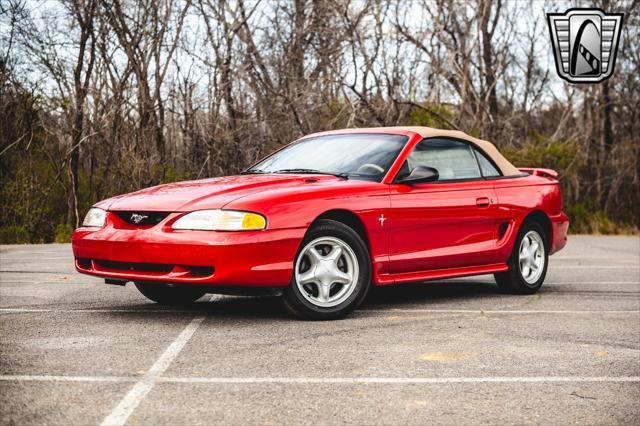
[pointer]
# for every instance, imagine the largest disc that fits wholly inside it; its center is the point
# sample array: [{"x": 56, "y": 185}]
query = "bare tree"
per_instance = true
[{"x": 149, "y": 37}]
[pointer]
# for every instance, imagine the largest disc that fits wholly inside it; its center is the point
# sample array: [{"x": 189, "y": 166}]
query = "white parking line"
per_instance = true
[
  {"x": 636, "y": 266},
  {"x": 398, "y": 380},
  {"x": 597, "y": 260},
  {"x": 390, "y": 310},
  {"x": 66, "y": 311},
  {"x": 51, "y": 270},
  {"x": 505, "y": 311},
  {"x": 321, "y": 380},
  {"x": 51, "y": 256},
  {"x": 52, "y": 378},
  {"x": 489, "y": 281},
  {"x": 592, "y": 283},
  {"x": 132, "y": 399}
]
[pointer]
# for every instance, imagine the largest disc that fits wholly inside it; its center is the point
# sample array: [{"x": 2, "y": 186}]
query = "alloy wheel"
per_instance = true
[
  {"x": 326, "y": 272},
  {"x": 531, "y": 257}
]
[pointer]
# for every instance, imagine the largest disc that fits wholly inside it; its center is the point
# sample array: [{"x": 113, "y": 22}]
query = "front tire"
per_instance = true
[
  {"x": 527, "y": 263},
  {"x": 169, "y": 295},
  {"x": 332, "y": 273}
]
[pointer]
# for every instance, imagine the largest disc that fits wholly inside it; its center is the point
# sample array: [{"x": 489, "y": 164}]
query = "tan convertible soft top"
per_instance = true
[{"x": 487, "y": 147}]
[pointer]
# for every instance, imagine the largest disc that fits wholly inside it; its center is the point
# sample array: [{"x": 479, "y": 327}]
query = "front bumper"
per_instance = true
[{"x": 248, "y": 258}]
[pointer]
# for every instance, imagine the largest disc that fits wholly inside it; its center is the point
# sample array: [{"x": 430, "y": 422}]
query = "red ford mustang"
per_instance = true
[{"x": 326, "y": 217}]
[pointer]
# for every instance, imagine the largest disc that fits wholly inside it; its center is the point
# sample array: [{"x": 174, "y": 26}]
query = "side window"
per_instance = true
[
  {"x": 487, "y": 168},
  {"x": 452, "y": 159}
]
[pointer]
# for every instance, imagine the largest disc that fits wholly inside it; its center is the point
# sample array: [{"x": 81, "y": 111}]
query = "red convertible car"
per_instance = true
[{"x": 328, "y": 216}]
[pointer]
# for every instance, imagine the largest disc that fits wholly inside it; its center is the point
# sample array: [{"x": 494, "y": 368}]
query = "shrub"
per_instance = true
[
  {"x": 14, "y": 235},
  {"x": 63, "y": 233},
  {"x": 585, "y": 221},
  {"x": 561, "y": 157},
  {"x": 431, "y": 115}
]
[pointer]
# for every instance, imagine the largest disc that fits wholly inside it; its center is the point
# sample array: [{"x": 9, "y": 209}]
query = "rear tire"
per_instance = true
[
  {"x": 169, "y": 295},
  {"x": 527, "y": 263},
  {"x": 332, "y": 273}
]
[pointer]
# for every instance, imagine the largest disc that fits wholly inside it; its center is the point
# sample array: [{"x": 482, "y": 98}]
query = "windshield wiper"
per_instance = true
[
  {"x": 313, "y": 172},
  {"x": 252, "y": 172}
]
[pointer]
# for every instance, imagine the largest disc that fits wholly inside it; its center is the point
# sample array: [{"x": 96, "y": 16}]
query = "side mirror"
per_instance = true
[{"x": 420, "y": 174}]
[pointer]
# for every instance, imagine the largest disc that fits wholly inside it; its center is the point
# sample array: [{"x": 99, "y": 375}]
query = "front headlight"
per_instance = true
[
  {"x": 221, "y": 220},
  {"x": 95, "y": 218}
]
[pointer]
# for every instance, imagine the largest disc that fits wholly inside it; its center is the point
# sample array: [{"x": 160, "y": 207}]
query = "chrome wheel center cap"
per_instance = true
[{"x": 327, "y": 272}]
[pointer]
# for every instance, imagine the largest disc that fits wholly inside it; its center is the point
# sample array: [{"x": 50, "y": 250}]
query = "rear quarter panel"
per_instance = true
[{"x": 518, "y": 197}]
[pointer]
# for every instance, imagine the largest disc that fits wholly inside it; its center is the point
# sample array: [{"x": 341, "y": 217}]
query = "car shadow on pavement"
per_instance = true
[
  {"x": 263, "y": 307},
  {"x": 271, "y": 307},
  {"x": 435, "y": 291}
]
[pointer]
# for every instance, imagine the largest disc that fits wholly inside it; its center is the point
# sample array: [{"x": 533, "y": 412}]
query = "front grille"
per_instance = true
[
  {"x": 137, "y": 267},
  {"x": 155, "y": 269},
  {"x": 142, "y": 218}
]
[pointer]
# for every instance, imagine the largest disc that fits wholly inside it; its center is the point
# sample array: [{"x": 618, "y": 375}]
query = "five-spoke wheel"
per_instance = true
[
  {"x": 332, "y": 272},
  {"x": 326, "y": 271},
  {"x": 531, "y": 257},
  {"x": 528, "y": 261}
]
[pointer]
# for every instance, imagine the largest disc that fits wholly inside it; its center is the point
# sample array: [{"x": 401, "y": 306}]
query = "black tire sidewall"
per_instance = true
[{"x": 297, "y": 303}]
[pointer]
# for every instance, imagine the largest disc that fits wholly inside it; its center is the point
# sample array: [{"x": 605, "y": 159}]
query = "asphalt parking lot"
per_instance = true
[{"x": 76, "y": 351}]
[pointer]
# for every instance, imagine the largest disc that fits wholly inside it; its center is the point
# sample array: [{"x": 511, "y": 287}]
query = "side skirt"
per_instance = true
[{"x": 437, "y": 274}]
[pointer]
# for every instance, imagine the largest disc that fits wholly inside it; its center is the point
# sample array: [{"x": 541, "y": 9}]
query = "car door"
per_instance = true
[{"x": 448, "y": 223}]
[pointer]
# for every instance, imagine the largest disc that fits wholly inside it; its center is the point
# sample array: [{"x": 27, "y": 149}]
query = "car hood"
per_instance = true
[{"x": 203, "y": 194}]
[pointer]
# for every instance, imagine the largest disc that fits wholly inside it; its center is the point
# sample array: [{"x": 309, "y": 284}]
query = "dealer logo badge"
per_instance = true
[{"x": 585, "y": 42}]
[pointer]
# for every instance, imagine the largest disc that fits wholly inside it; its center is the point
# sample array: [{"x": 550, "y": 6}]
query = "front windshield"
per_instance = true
[{"x": 364, "y": 156}]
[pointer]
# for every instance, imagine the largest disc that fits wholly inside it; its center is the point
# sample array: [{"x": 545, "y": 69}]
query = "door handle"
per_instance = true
[{"x": 483, "y": 202}]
